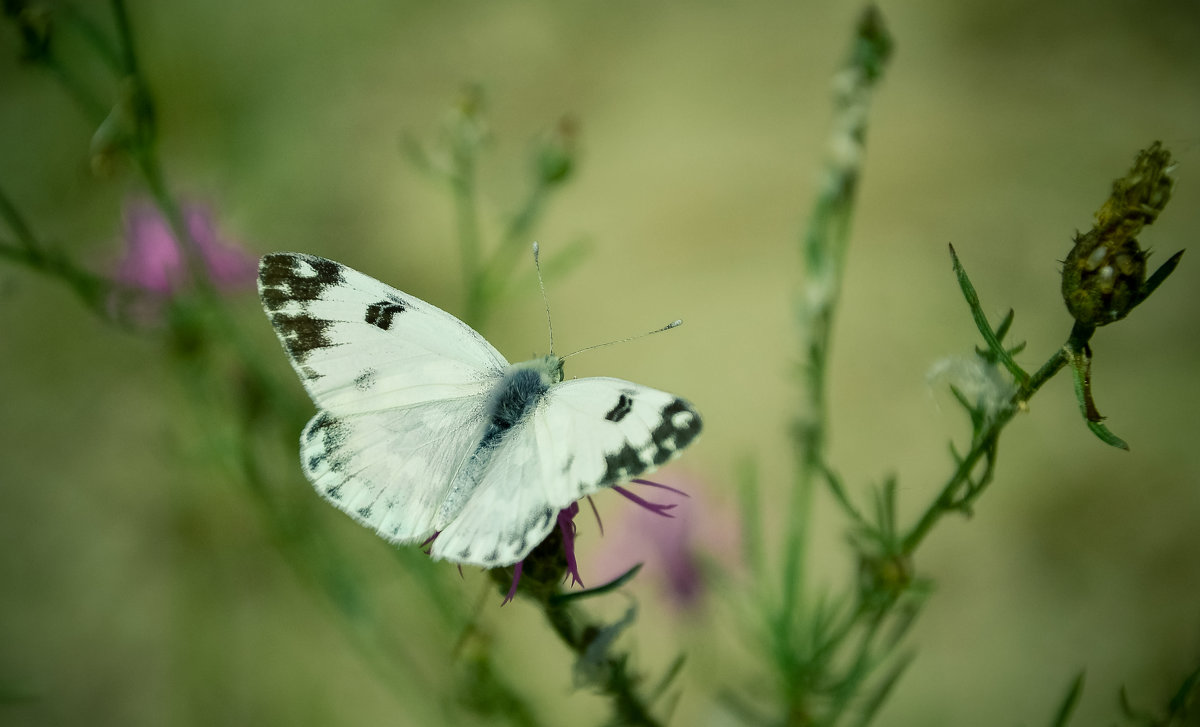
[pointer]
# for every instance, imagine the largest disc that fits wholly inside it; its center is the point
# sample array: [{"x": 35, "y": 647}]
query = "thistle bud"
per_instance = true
[{"x": 1104, "y": 275}]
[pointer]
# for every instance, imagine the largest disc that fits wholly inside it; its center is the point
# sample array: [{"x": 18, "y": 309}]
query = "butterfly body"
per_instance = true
[
  {"x": 424, "y": 428},
  {"x": 518, "y": 392}
]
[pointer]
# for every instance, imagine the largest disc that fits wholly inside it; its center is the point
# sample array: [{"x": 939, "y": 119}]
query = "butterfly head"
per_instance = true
[{"x": 552, "y": 366}]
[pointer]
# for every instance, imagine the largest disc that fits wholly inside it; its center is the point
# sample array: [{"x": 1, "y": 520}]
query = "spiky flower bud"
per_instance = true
[{"x": 1104, "y": 275}]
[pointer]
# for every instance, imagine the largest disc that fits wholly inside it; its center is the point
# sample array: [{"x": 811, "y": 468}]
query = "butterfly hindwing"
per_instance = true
[
  {"x": 584, "y": 435},
  {"x": 361, "y": 345},
  {"x": 389, "y": 471}
]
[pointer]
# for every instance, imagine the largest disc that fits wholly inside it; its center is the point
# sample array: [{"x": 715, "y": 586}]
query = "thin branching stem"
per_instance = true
[
  {"x": 984, "y": 443},
  {"x": 823, "y": 249}
]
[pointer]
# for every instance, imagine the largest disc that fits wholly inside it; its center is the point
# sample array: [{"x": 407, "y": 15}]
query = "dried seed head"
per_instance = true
[
  {"x": 1104, "y": 274},
  {"x": 1101, "y": 280}
]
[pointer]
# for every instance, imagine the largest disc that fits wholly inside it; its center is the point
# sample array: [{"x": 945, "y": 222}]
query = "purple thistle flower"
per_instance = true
[
  {"x": 512, "y": 591},
  {"x": 566, "y": 523},
  {"x": 567, "y": 527},
  {"x": 155, "y": 263}
]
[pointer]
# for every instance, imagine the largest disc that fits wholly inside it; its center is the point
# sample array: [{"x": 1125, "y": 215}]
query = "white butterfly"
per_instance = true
[{"x": 424, "y": 429}]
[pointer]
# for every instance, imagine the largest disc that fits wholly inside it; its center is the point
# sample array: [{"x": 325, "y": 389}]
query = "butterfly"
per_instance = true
[{"x": 424, "y": 431}]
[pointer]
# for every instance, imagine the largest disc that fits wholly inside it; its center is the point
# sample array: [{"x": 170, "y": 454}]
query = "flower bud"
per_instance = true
[
  {"x": 1104, "y": 275},
  {"x": 1101, "y": 278}
]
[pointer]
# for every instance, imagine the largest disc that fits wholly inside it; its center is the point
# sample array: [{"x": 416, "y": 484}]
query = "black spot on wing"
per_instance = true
[
  {"x": 327, "y": 427},
  {"x": 679, "y": 426},
  {"x": 621, "y": 410},
  {"x": 380, "y": 314},
  {"x": 622, "y": 465},
  {"x": 518, "y": 540},
  {"x": 329, "y": 435},
  {"x": 301, "y": 333},
  {"x": 364, "y": 512},
  {"x": 366, "y": 380},
  {"x": 284, "y": 278}
]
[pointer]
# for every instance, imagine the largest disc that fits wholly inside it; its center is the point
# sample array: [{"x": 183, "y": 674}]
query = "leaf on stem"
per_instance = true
[
  {"x": 1157, "y": 278},
  {"x": 1081, "y": 371},
  {"x": 614, "y": 584},
  {"x": 871, "y": 703},
  {"x": 995, "y": 347}
]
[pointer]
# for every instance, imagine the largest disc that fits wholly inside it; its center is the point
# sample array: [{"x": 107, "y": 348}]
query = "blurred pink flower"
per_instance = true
[
  {"x": 566, "y": 526},
  {"x": 673, "y": 549},
  {"x": 155, "y": 263}
]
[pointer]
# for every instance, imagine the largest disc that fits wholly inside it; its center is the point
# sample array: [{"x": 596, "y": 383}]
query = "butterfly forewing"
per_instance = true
[
  {"x": 401, "y": 386},
  {"x": 634, "y": 429},
  {"x": 361, "y": 345}
]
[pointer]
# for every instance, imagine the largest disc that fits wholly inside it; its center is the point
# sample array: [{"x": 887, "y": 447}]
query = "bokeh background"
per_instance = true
[{"x": 138, "y": 586}]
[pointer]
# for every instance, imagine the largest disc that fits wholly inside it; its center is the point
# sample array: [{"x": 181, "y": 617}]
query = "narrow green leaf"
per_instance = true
[
  {"x": 1069, "y": 702},
  {"x": 962, "y": 399},
  {"x": 1106, "y": 436},
  {"x": 752, "y": 548},
  {"x": 981, "y": 322},
  {"x": 840, "y": 495},
  {"x": 1156, "y": 279},
  {"x": 870, "y": 706},
  {"x": 888, "y": 525},
  {"x": 1183, "y": 698},
  {"x": 1005, "y": 324},
  {"x": 955, "y": 454},
  {"x": 1081, "y": 373},
  {"x": 673, "y": 671},
  {"x": 614, "y": 584},
  {"x": 1134, "y": 713},
  {"x": 597, "y": 658}
]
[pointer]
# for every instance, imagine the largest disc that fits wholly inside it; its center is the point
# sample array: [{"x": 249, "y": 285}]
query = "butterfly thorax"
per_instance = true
[
  {"x": 549, "y": 368},
  {"x": 513, "y": 398}
]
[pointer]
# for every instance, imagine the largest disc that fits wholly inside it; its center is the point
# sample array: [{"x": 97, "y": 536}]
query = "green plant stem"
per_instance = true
[
  {"x": 466, "y": 218},
  {"x": 619, "y": 683},
  {"x": 823, "y": 249},
  {"x": 20, "y": 227},
  {"x": 947, "y": 499},
  {"x": 495, "y": 273},
  {"x": 93, "y": 290}
]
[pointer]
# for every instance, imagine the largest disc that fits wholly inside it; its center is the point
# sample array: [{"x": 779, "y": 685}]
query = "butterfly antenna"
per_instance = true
[
  {"x": 669, "y": 326},
  {"x": 549, "y": 323}
]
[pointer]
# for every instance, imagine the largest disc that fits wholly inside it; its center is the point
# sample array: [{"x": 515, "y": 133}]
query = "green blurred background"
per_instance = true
[{"x": 140, "y": 589}]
